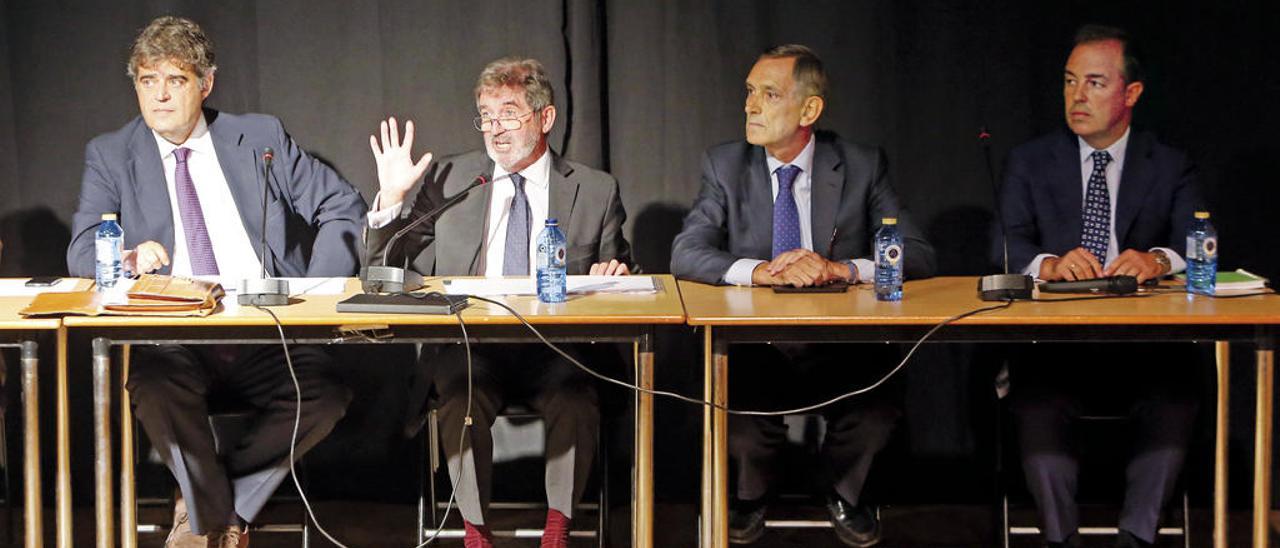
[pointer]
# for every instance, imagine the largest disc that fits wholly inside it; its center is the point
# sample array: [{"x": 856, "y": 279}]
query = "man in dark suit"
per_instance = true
[
  {"x": 1100, "y": 200},
  {"x": 791, "y": 206},
  {"x": 187, "y": 184},
  {"x": 492, "y": 232}
]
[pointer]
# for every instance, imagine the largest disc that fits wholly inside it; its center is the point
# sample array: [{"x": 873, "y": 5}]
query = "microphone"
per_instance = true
[
  {"x": 263, "y": 291},
  {"x": 1110, "y": 285},
  {"x": 393, "y": 279},
  {"x": 1000, "y": 287}
]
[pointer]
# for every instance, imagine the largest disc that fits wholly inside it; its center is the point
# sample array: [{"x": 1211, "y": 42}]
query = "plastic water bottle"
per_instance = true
[
  {"x": 1202, "y": 255},
  {"x": 551, "y": 264},
  {"x": 108, "y": 246},
  {"x": 888, "y": 261}
]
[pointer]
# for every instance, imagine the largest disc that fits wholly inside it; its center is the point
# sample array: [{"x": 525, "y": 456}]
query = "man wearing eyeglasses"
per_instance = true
[{"x": 492, "y": 233}]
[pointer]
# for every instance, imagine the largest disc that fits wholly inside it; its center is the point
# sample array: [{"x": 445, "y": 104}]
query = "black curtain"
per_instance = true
[{"x": 644, "y": 87}]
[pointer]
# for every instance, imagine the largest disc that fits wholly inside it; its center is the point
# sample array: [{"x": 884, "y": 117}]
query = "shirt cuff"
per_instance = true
[
  {"x": 1176, "y": 263},
  {"x": 380, "y": 217},
  {"x": 1033, "y": 269},
  {"x": 739, "y": 272},
  {"x": 866, "y": 271}
]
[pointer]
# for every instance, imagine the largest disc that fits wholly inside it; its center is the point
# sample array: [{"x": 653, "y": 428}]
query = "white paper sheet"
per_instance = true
[
  {"x": 297, "y": 286},
  {"x": 486, "y": 287},
  {"x": 15, "y": 287}
]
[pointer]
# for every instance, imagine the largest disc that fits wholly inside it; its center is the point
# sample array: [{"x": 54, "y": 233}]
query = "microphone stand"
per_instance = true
[
  {"x": 1000, "y": 287},
  {"x": 263, "y": 291}
]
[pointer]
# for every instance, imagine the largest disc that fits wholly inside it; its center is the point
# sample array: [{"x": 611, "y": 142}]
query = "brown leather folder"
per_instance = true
[{"x": 151, "y": 295}]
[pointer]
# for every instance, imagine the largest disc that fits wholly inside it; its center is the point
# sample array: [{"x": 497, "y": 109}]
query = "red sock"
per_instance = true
[
  {"x": 476, "y": 536},
  {"x": 556, "y": 532}
]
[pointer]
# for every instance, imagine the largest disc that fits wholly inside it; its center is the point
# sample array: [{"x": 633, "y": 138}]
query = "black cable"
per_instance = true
[{"x": 704, "y": 403}]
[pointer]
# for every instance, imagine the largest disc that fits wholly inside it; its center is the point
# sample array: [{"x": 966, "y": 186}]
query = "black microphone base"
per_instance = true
[
  {"x": 389, "y": 279},
  {"x": 1003, "y": 287},
  {"x": 262, "y": 292}
]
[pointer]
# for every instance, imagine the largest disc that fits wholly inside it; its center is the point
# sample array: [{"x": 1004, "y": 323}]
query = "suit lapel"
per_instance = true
[
  {"x": 562, "y": 195},
  {"x": 1066, "y": 186},
  {"x": 472, "y": 211},
  {"x": 239, "y": 165},
  {"x": 1135, "y": 181},
  {"x": 152, "y": 189},
  {"x": 759, "y": 198},
  {"x": 824, "y": 195}
]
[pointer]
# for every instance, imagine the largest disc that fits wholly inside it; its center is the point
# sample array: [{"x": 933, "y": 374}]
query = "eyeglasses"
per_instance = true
[{"x": 513, "y": 123}]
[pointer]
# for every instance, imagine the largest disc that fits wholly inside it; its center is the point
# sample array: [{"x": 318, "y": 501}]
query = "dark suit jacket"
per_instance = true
[
  {"x": 732, "y": 217},
  {"x": 313, "y": 215},
  {"x": 1041, "y": 200},
  {"x": 584, "y": 200}
]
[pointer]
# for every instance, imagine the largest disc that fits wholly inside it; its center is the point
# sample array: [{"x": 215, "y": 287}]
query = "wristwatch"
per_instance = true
[
  {"x": 853, "y": 271},
  {"x": 1162, "y": 259}
]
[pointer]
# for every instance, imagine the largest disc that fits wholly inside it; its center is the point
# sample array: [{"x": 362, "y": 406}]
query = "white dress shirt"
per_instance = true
[
  {"x": 537, "y": 186},
  {"x": 1114, "y": 169},
  {"x": 739, "y": 272},
  {"x": 232, "y": 247}
]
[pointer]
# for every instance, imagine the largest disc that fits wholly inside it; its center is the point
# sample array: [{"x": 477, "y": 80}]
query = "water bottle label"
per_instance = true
[
  {"x": 105, "y": 250},
  {"x": 1209, "y": 247},
  {"x": 560, "y": 255},
  {"x": 892, "y": 254}
]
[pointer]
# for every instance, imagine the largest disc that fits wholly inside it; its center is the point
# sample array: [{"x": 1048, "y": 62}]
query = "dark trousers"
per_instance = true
[
  {"x": 1155, "y": 386},
  {"x": 775, "y": 377},
  {"x": 563, "y": 395},
  {"x": 171, "y": 387}
]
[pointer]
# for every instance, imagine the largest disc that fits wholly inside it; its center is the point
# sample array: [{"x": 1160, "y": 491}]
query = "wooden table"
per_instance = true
[
  {"x": 313, "y": 320},
  {"x": 19, "y": 332},
  {"x": 738, "y": 315}
]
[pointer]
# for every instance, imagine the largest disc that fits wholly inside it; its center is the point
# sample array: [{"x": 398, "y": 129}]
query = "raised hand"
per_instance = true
[{"x": 397, "y": 171}]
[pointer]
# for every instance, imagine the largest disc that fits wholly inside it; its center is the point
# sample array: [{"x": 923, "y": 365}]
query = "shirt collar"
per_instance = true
[
  {"x": 1116, "y": 150},
  {"x": 538, "y": 173},
  {"x": 199, "y": 141},
  {"x": 804, "y": 160}
]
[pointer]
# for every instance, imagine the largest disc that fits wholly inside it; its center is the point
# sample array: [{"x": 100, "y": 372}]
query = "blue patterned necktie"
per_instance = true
[
  {"x": 786, "y": 217},
  {"x": 199, "y": 247},
  {"x": 515, "y": 259},
  {"x": 1095, "y": 232}
]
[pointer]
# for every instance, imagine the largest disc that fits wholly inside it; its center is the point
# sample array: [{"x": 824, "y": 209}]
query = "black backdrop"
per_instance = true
[{"x": 643, "y": 88}]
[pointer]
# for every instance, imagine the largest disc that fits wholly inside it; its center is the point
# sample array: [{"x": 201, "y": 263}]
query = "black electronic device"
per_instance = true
[
  {"x": 404, "y": 303},
  {"x": 1110, "y": 285},
  {"x": 42, "y": 281},
  {"x": 833, "y": 287}
]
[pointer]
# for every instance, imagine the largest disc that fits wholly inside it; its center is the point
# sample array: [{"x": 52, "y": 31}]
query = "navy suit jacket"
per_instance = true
[
  {"x": 313, "y": 215},
  {"x": 1042, "y": 197},
  {"x": 732, "y": 218}
]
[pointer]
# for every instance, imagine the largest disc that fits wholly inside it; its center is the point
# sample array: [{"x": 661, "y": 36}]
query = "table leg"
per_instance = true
[
  {"x": 1262, "y": 447},
  {"x": 708, "y": 444},
  {"x": 63, "y": 417},
  {"x": 642, "y": 479},
  {"x": 102, "y": 497},
  {"x": 33, "y": 518},
  {"x": 720, "y": 509},
  {"x": 1222, "y": 351},
  {"x": 128, "y": 497}
]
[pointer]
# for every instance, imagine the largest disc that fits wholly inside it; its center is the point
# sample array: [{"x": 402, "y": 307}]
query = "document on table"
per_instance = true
[
  {"x": 297, "y": 286},
  {"x": 16, "y": 287},
  {"x": 487, "y": 287}
]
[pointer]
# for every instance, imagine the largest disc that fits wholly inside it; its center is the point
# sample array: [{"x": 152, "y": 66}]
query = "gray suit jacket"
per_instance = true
[
  {"x": 584, "y": 200},
  {"x": 313, "y": 215},
  {"x": 732, "y": 217}
]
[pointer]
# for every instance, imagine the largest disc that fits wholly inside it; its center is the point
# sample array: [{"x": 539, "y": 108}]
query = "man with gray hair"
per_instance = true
[
  {"x": 187, "y": 183},
  {"x": 492, "y": 232}
]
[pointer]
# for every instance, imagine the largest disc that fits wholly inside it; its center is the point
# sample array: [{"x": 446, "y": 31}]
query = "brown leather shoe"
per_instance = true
[
  {"x": 231, "y": 537},
  {"x": 180, "y": 535}
]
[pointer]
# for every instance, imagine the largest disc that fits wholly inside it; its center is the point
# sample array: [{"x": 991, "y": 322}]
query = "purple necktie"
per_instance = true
[
  {"x": 199, "y": 248},
  {"x": 786, "y": 217}
]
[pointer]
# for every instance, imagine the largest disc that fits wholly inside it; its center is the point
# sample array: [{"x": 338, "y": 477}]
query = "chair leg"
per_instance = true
[
  {"x": 1186, "y": 520},
  {"x": 602, "y": 468}
]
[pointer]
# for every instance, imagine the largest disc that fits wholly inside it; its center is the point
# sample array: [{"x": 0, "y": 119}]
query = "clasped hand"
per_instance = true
[{"x": 799, "y": 268}]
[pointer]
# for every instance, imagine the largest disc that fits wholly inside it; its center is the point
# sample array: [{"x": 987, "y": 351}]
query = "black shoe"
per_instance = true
[
  {"x": 1128, "y": 540},
  {"x": 746, "y": 521},
  {"x": 855, "y": 525}
]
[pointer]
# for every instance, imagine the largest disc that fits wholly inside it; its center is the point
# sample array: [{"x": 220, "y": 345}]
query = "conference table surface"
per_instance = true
[
  {"x": 313, "y": 319},
  {"x": 23, "y": 333},
  {"x": 730, "y": 314}
]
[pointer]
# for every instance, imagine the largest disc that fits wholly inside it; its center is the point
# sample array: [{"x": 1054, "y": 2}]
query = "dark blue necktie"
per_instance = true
[
  {"x": 1095, "y": 232},
  {"x": 515, "y": 259},
  {"x": 786, "y": 217}
]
